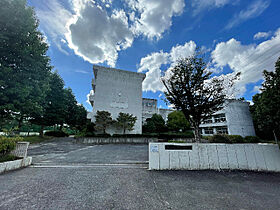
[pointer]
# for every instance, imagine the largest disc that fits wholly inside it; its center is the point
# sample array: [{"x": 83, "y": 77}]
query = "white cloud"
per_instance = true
[
  {"x": 256, "y": 89},
  {"x": 82, "y": 71},
  {"x": 53, "y": 18},
  {"x": 155, "y": 16},
  {"x": 152, "y": 63},
  {"x": 250, "y": 60},
  {"x": 97, "y": 36},
  {"x": 91, "y": 93},
  {"x": 261, "y": 35},
  {"x": 200, "y": 5},
  {"x": 96, "y": 31},
  {"x": 255, "y": 9}
]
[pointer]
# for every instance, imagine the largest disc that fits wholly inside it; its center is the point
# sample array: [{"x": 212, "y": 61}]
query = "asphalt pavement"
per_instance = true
[{"x": 66, "y": 175}]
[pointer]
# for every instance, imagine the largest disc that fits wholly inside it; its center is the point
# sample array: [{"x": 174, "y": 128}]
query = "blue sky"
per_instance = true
[{"x": 148, "y": 36}]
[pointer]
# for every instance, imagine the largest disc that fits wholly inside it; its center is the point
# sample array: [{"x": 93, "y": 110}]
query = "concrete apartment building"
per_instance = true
[
  {"x": 116, "y": 91},
  {"x": 234, "y": 119}
]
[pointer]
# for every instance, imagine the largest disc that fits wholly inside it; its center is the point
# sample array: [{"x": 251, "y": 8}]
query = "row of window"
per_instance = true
[
  {"x": 217, "y": 118},
  {"x": 219, "y": 130},
  {"x": 148, "y": 104}
]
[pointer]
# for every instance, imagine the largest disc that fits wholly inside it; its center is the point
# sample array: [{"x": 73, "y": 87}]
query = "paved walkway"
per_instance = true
[{"x": 72, "y": 176}]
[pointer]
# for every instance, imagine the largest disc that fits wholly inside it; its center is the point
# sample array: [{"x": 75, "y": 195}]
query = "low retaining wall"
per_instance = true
[
  {"x": 260, "y": 157},
  {"x": 124, "y": 140},
  {"x": 21, "y": 149},
  {"x": 114, "y": 140},
  {"x": 16, "y": 164}
]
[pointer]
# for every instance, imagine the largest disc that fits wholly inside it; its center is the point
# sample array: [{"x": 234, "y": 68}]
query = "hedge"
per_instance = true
[
  {"x": 233, "y": 139},
  {"x": 7, "y": 144},
  {"x": 56, "y": 133}
]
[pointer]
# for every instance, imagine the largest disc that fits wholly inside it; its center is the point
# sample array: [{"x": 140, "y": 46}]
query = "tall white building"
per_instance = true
[
  {"x": 117, "y": 91},
  {"x": 234, "y": 119}
]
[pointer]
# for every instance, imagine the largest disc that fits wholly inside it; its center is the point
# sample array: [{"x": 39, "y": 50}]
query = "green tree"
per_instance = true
[
  {"x": 103, "y": 120},
  {"x": 155, "y": 124},
  {"x": 75, "y": 114},
  {"x": 53, "y": 112},
  {"x": 177, "y": 122},
  {"x": 189, "y": 90},
  {"x": 126, "y": 121},
  {"x": 80, "y": 116},
  {"x": 266, "y": 111},
  {"x": 24, "y": 65}
]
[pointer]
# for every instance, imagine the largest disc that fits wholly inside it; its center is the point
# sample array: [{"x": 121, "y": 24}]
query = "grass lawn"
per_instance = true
[{"x": 36, "y": 139}]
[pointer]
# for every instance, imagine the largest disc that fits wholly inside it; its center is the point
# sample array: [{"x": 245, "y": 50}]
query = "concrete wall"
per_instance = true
[
  {"x": 239, "y": 120},
  {"x": 259, "y": 157},
  {"x": 118, "y": 91},
  {"x": 115, "y": 140},
  {"x": 21, "y": 149}
]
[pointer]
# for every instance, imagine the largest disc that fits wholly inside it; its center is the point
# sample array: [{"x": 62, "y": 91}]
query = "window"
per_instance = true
[
  {"x": 220, "y": 118},
  {"x": 222, "y": 130},
  {"x": 208, "y": 120},
  {"x": 208, "y": 131}
]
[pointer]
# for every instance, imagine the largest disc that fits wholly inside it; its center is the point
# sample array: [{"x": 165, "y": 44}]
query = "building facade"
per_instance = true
[
  {"x": 149, "y": 107},
  {"x": 234, "y": 119},
  {"x": 116, "y": 91}
]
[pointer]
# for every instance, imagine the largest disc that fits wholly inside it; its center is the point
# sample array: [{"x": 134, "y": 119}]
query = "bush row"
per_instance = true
[
  {"x": 231, "y": 139},
  {"x": 166, "y": 136},
  {"x": 7, "y": 144},
  {"x": 56, "y": 133}
]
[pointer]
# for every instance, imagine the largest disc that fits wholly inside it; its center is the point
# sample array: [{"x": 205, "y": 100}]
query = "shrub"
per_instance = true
[
  {"x": 56, "y": 133},
  {"x": 235, "y": 139},
  {"x": 7, "y": 144},
  {"x": 103, "y": 135},
  {"x": 228, "y": 139},
  {"x": 252, "y": 139},
  {"x": 8, "y": 157},
  {"x": 219, "y": 139},
  {"x": 175, "y": 135},
  {"x": 176, "y": 141}
]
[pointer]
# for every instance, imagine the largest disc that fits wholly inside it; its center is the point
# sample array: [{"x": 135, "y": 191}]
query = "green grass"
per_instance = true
[
  {"x": 9, "y": 157},
  {"x": 36, "y": 139}
]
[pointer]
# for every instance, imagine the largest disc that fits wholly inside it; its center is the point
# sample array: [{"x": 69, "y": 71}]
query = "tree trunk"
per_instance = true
[
  {"x": 20, "y": 122},
  {"x": 197, "y": 135},
  {"x": 42, "y": 131}
]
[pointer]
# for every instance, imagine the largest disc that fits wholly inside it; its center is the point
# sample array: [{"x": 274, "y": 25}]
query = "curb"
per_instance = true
[{"x": 16, "y": 164}]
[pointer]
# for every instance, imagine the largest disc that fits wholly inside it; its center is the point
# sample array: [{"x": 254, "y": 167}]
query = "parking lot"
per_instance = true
[{"x": 66, "y": 175}]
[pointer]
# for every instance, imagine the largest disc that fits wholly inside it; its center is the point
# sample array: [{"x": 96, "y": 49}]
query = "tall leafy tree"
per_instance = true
[
  {"x": 266, "y": 111},
  {"x": 190, "y": 90},
  {"x": 53, "y": 106},
  {"x": 126, "y": 121},
  {"x": 103, "y": 120},
  {"x": 75, "y": 114},
  {"x": 176, "y": 121},
  {"x": 24, "y": 65}
]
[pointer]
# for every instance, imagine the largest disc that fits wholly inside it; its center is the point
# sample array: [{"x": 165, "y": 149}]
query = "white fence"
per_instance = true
[{"x": 193, "y": 156}]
